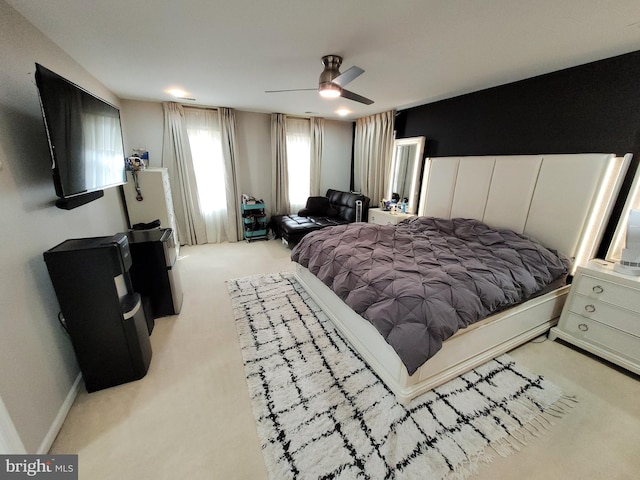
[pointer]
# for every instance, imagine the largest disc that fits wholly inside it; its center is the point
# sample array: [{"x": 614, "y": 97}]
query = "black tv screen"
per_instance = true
[{"x": 85, "y": 136}]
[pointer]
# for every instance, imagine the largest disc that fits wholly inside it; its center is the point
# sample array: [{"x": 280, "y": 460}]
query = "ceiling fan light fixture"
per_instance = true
[
  {"x": 331, "y": 83},
  {"x": 329, "y": 90}
]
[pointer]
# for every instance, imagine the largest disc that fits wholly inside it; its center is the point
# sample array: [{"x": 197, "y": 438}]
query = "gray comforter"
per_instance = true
[{"x": 420, "y": 281}]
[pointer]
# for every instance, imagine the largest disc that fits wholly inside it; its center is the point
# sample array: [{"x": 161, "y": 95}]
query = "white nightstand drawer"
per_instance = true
[
  {"x": 619, "y": 318},
  {"x": 608, "y": 292},
  {"x": 607, "y": 338}
]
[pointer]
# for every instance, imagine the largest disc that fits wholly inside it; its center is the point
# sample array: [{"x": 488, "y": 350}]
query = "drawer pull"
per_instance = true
[
  {"x": 583, "y": 327},
  {"x": 590, "y": 308},
  {"x": 597, "y": 289}
]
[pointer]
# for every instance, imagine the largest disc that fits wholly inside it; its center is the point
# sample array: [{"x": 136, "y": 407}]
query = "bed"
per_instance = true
[{"x": 561, "y": 201}]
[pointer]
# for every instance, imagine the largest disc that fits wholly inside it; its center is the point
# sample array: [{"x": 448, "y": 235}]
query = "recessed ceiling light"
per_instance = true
[
  {"x": 177, "y": 92},
  {"x": 343, "y": 112}
]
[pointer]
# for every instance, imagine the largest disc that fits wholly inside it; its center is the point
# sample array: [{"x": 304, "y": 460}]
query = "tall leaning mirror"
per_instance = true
[{"x": 406, "y": 166}]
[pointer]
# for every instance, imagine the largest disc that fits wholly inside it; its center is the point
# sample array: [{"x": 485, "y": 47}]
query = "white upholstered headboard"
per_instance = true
[{"x": 563, "y": 201}]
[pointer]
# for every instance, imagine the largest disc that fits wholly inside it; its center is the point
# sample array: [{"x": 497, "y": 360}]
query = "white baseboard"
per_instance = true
[{"x": 56, "y": 425}]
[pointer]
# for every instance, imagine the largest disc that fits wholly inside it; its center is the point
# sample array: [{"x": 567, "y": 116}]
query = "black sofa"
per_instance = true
[{"x": 335, "y": 208}]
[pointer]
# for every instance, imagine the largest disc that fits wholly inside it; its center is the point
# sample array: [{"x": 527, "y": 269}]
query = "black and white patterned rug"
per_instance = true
[{"x": 322, "y": 413}]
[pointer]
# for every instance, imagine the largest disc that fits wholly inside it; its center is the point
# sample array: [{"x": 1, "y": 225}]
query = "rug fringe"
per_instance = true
[{"x": 537, "y": 427}]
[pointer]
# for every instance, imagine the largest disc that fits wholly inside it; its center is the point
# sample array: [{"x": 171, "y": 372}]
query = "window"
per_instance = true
[
  {"x": 203, "y": 129},
  {"x": 298, "y": 161}
]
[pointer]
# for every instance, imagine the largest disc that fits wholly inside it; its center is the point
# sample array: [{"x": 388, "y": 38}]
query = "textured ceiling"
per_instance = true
[{"x": 227, "y": 53}]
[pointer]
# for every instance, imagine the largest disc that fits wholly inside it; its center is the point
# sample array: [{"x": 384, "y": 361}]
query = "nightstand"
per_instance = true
[
  {"x": 382, "y": 217},
  {"x": 602, "y": 315}
]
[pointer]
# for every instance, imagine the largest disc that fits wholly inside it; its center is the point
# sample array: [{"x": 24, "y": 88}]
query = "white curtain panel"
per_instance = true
[
  {"x": 176, "y": 157},
  {"x": 317, "y": 145},
  {"x": 298, "y": 161},
  {"x": 279, "y": 175},
  {"x": 205, "y": 139},
  {"x": 232, "y": 179},
  {"x": 373, "y": 148}
]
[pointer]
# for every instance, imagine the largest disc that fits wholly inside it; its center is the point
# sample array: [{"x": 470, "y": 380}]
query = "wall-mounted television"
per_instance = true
[{"x": 85, "y": 139}]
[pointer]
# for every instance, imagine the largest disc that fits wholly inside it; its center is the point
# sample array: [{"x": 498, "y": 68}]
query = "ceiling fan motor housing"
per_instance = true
[{"x": 331, "y": 69}]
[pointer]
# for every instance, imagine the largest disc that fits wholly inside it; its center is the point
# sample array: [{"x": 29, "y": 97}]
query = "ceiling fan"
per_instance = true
[{"x": 332, "y": 81}]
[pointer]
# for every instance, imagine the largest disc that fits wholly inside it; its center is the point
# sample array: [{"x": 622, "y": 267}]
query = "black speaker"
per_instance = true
[{"x": 74, "y": 202}]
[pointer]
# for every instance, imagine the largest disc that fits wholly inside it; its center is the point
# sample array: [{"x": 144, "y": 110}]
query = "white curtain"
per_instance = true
[
  {"x": 373, "y": 148},
  {"x": 203, "y": 129},
  {"x": 298, "y": 161},
  {"x": 317, "y": 145},
  {"x": 231, "y": 178},
  {"x": 279, "y": 176},
  {"x": 176, "y": 157}
]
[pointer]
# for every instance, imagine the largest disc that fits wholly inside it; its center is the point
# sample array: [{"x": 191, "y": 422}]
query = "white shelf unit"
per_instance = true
[{"x": 156, "y": 201}]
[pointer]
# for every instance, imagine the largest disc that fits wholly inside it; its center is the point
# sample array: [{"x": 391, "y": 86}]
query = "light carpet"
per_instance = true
[{"x": 321, "y": 413}]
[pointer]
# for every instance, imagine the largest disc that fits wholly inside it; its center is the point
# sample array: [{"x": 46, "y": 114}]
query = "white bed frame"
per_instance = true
[{"x": 564, "y": 201}]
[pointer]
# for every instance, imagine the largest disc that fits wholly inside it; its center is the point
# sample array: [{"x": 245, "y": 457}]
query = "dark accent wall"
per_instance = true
[{"x": 589, "y": 108}]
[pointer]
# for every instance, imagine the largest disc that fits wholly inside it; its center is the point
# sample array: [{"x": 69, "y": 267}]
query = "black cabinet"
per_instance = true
[
  {"x": 102, "y": 314},
  {"x": 154, "y": 270}
]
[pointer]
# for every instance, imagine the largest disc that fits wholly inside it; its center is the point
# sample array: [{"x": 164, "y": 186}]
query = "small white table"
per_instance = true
[
  {"x": 382, "y": 217},
  {"x": 602, "y": 314}
]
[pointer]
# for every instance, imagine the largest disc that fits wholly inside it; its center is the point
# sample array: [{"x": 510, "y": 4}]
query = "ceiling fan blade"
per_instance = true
[
  {"x": 355, "y": 97},
  {"x": 293, "y": 90},
  {"x": 348, "y": 76}
]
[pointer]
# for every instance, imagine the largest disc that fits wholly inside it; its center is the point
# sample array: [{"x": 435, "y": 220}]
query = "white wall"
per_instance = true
[
  {"x": 254, "y": 155},
  {"x": 143, "y": 126},
  {"x": 336, "y": 164},
  {"x": 37, "y": 363}
]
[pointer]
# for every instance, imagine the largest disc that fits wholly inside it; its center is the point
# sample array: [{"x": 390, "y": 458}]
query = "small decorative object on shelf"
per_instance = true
[
  {"x": 254, "y": 218},
  {"x": 134, "y": 164}
]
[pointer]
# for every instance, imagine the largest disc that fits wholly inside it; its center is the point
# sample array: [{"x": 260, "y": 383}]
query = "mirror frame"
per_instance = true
[
  {"x": 419, "y": 142},
  {"x": 618, "y": 241}
]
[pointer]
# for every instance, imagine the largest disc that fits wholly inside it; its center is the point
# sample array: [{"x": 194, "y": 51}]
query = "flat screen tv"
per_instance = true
[{"x": 85, "y": 139}]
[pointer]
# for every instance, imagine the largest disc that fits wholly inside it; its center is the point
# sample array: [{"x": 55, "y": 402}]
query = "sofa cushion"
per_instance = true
[
  {"x": 293, "y": 227},
  {"x": 319, "y": 207},
  {"x": 345, "y": 204}
]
